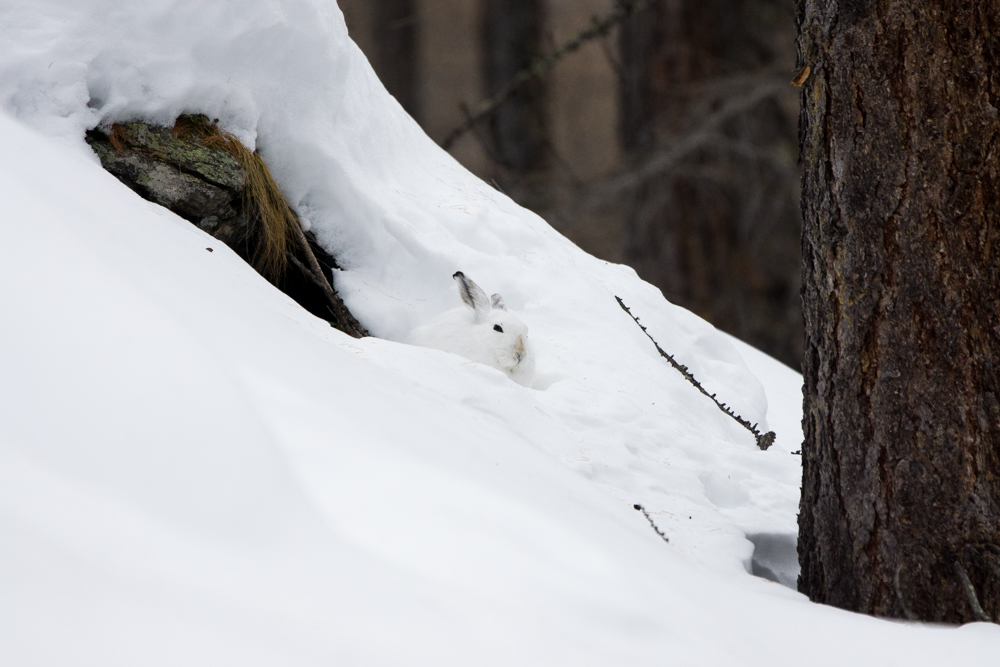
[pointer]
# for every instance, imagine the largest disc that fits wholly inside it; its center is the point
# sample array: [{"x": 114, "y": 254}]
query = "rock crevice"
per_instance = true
[{"x": 197, "y": 172}]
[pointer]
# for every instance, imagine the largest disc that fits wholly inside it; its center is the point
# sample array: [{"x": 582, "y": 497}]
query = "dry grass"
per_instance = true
[
  {"x": 117, "y": 138},
  {"x": 263, "y": 199}
]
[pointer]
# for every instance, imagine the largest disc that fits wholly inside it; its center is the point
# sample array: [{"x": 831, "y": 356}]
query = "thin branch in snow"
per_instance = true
[
  {"x": 347, "y": 322},
  {"x": 650, "y": 520},
  {"x": 764, "y": 440}
]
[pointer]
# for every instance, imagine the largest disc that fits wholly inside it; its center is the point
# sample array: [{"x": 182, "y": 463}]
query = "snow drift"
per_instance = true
[{"x": 195, "y": 470}]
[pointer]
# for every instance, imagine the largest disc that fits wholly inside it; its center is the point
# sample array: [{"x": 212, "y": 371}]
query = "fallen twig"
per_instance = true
[
  {"x": 650, "y": 520},
  {"x": 346, "y": 322},
  {"x": 764, "y": 440}
]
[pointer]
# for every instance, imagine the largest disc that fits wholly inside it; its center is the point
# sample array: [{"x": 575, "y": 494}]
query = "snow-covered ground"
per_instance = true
[{"x": 194, "y": 470}]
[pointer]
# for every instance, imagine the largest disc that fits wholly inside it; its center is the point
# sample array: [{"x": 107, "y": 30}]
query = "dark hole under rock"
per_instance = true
[{"x": 204, "y": 185}]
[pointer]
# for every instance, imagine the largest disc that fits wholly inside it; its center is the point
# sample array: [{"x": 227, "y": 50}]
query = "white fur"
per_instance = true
[{"x": 469, "y": 332}]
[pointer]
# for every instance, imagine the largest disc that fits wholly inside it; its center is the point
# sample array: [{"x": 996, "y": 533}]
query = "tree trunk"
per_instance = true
[
  {"x": 512, "y": 39},
  {"x": 395, "y": 27},
  {"x": 901, "y": 273}
]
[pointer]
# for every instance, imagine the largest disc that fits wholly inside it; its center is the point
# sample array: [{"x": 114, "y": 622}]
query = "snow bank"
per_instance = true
[{"x": 193, "y": 469}]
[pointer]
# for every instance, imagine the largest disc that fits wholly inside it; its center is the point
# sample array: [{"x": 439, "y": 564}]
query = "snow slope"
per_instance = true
[{"x": 194, "y": 470}]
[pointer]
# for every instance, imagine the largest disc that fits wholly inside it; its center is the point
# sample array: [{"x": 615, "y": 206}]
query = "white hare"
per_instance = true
[{"x": 483, "y": 332}]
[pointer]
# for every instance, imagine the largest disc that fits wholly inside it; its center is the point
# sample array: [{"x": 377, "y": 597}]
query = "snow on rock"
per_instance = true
[{"x": 195, "y": 470}]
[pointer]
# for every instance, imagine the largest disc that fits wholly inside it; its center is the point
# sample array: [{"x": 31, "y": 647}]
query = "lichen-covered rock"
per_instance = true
[
  {"x": 192, "y": 170},
  {"x": 203, "y": 184},
  {"x": 209, "y": 163}
]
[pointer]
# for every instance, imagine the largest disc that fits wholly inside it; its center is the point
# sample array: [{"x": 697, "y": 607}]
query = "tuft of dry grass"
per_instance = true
[
  {"x": 263, "y": 200},
  {"x": 117, "y": 138},
  {"x": 275, "y": 232},
  {"x": 272, "y": 211}
]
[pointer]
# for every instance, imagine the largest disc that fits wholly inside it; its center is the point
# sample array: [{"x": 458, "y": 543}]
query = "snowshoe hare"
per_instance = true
[{"x": 483, "y": 332}]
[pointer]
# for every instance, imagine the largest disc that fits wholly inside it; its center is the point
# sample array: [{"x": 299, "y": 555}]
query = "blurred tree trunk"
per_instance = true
[
  {"x": 901, "y": 272},
  {"x": 512, "y": 39},
  {"x": 720, "y": 233},
  {"x": 395, "y": 28}
]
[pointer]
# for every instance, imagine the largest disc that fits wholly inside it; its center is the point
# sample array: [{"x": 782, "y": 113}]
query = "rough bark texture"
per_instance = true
[{"x": 900, "y": 243}]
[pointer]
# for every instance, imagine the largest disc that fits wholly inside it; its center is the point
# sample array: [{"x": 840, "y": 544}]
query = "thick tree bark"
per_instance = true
[{"x": 901, "y": 272}]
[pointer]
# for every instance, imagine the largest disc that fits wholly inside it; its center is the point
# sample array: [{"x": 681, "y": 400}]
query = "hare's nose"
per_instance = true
[{"x": 519, "y": 348}]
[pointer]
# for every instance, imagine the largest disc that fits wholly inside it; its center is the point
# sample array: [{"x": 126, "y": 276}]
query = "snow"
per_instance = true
[{"x": 194, "y": 470}]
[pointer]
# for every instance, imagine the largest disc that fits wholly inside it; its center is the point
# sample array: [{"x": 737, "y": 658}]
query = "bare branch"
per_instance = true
[
  {"x": 651, "y": 523},
  {"x": 540, "y": 67},
  {"x": 668, "y": 156},
  {"x": 764, "y": 440},
  {"x": 347, "y": 322}
]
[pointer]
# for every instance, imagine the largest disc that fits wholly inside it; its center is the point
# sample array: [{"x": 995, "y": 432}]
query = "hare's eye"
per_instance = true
[{"x": 497, "y": 327}]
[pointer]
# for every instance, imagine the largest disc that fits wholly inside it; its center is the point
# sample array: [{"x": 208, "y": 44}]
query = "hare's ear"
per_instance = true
[
  {"x": 497, "y": 301},
  {"x": 472, "y": 295}
]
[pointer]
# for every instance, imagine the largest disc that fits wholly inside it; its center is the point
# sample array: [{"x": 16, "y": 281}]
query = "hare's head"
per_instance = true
[{"x": 499, "y": 333}]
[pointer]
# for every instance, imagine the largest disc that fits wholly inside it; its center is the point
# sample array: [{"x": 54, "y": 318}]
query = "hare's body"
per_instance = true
[{"x": 483, "y": 332}]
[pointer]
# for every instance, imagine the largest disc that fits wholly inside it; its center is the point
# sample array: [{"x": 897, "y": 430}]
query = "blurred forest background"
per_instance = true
[{"x": 667, "y": 141}]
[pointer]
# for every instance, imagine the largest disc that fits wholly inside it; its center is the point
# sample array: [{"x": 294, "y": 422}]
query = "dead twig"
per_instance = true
[
  {"x": 540, "y": 67},
  {"x": 764, "y": 440},
  {"x": 346, "y": 322},
  {"x": 616, "y": 186},
  {"x": 650, "y": 520}
]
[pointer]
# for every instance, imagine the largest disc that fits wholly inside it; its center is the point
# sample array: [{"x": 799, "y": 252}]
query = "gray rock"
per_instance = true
[{"x": 199, "y": 183}]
